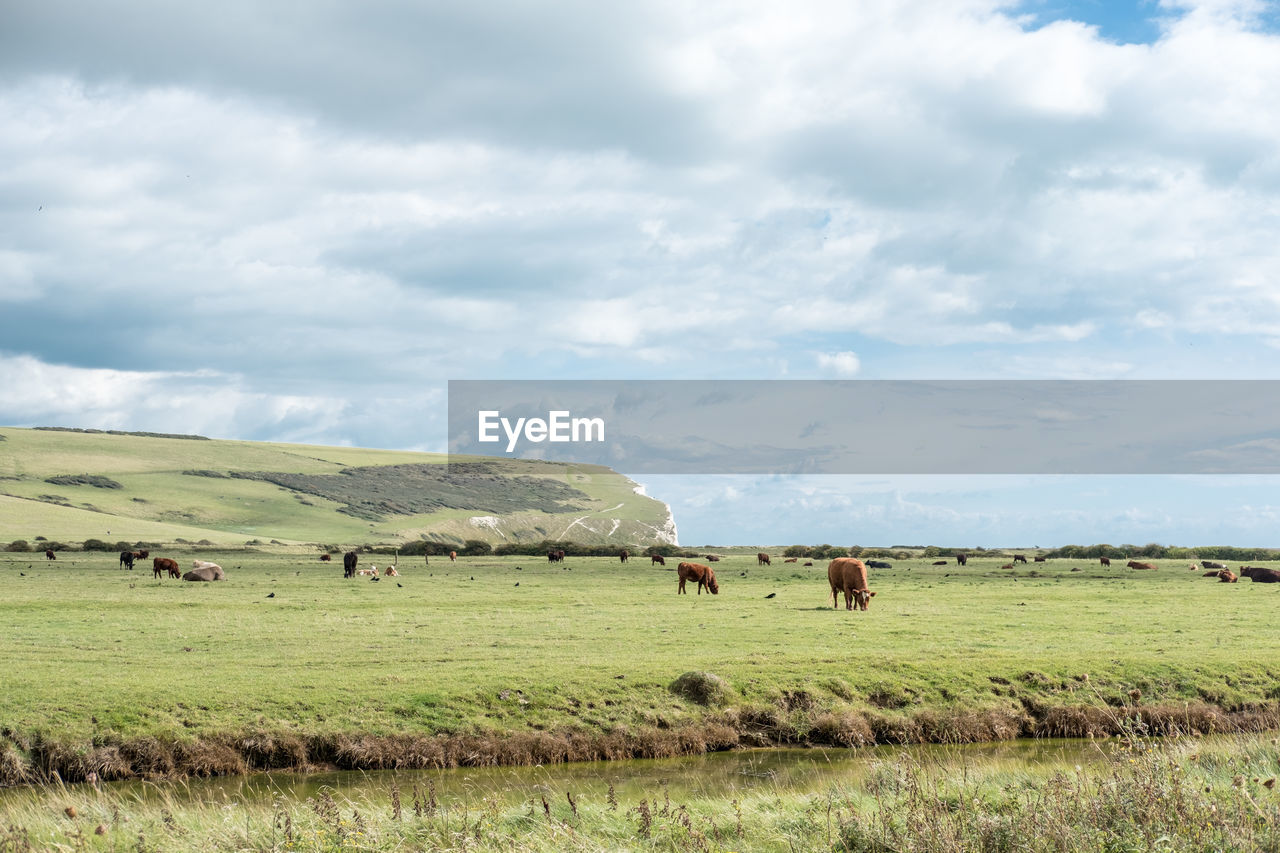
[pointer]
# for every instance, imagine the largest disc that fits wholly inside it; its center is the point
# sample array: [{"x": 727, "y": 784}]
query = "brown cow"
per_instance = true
[
  {"x": 326, "y": 558},
  {"x": 790, "y": 559},
  {"x": 711, "y": 558},
  {"x": 1224, "y": 575},
  {"x": 849, "y": 575},
  {"x": 453, "y": 556},
  {"x": 1018, "y": 558},
  {"x": 623, "y": 556},
  {"x": 1258, "y": 574},
  {"x": 142, "y": 555},
  {"x": 162, "y": 564},
  {"x": 1007, "y": 566},
  {"x": 656, "y": 559},
  {"x": 704, "y": 575},
  {"x": 48, "y": 555},
  {"x": 1040, "y": 559},
  {"x": 1104, "y": 561},
  {"x": 762, "y": 559},
  {"x": 809, "y": 563},
  {"x": 1134, "y": 564}
]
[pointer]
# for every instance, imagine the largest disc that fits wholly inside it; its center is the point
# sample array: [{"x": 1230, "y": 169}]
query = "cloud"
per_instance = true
[
  {"x": 355, "y": 202},
  {"x": 840, "y": 363}
]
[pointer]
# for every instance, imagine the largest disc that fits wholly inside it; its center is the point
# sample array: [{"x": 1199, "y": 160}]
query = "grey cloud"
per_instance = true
[{"x": 566, "y": 75}]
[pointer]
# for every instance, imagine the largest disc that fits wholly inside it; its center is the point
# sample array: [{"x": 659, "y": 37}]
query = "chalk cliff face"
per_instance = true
[
  {"x": 613, "y": 525},
  {"x": 667, "y": 533}
]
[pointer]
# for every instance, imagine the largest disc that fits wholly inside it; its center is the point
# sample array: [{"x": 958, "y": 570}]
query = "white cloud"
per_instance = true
[{"x": 840, "y": 363}]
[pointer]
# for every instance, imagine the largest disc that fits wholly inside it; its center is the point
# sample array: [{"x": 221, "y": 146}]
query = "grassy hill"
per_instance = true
[{"x": 75, "y": 485}]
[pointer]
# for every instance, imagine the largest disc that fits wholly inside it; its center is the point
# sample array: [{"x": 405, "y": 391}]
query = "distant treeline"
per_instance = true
[
  {"x": 1168, "y": 552},
  {"x": 480, "y": 548},
  {"x": 123, "y": 432}
]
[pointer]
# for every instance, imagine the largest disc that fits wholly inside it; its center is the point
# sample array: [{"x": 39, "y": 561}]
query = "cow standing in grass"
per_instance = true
[
  {"x": 656, "y": 559},
  {"x": 160, "y": 565},
  {"x": 849, "y": 575},
  {"x": 762, "y": 559},
  {"x": 623, "y": 557},
  {"x": 126, "y": 559},
  {"x": 704, "y": 575},
  {"x": 349, "y": 561}
]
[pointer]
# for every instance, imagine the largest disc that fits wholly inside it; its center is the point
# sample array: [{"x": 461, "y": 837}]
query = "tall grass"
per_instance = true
[{"x": 1183, "y": 794}]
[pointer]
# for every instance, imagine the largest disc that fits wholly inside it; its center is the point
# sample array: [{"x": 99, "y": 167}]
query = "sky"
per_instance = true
[{"x": 297, "y": 221}]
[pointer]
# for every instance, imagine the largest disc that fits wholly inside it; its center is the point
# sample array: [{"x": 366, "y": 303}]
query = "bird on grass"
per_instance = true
[
  {"x": 771, "y": 595},
  {"x": 400, "y": 585},
  {"x": 517, "y": 583},
  {"x": 271, "y": 595}
]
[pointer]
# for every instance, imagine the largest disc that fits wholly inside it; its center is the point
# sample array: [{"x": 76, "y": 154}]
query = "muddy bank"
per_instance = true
[{"x": 37, "y": 759}]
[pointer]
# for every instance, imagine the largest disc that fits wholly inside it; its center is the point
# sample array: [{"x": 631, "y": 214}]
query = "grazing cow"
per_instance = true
[
  {"x": 656, "y": 559},
  {"x": 325, "y": 558},
  {"x": 790, "y": 559},
  {"x": 453, "y": 556},
  {"x": 126, "y": 559},
  {"x": 1210, "y": 564},
  {"x": 762, "y": 559},
  {"x": 142, "y": 555},
  {"x": 1040, "y": 559},
  {"x": 349, "y": 561},
  {"x": 1104, "y": 561},
  {"x": 878, "y": 564},
  {"x": 1134, "y": 564},
  {"x": 962, "y": 559},
  {"x": 1258, "y": 574},
  {"x": 623, "y": 557},
  {"x": 940, "y": 562},
  {"x": 704, "y": 575},
  {"x": 1018, "y": 558},
  {"x": 206, "y": 574},
  {"x": 849, "y": 575},
  {"x": 162, "y": 564},
  {"x": 48, "y": 555}
]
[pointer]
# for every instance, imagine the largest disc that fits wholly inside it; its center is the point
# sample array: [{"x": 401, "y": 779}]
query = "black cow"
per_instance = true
[
  {"x": 126, "y": 559},
  {"x": 1018, "y": 558},
  {"x": 349, "y": 561},
  {"x": 878, "y": 564}
]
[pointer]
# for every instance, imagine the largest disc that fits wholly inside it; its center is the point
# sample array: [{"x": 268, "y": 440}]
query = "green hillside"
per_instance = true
[{"x": 74, "y": 485}]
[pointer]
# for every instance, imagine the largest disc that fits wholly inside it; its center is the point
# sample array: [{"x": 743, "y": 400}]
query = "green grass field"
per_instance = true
[
  {"x": 157, "y": 502},
  {"x": 516, "y": 651}
]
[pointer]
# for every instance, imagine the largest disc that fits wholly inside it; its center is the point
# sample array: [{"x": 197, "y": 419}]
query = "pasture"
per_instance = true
[{"x": 518, "y": 660}]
